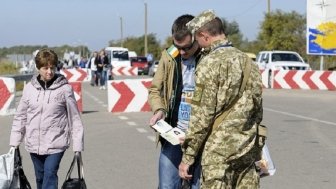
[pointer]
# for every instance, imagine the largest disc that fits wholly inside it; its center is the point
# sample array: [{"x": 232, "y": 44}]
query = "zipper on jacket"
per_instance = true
[
  {"x": 175, "y": 90},
  {"x": 41, "y": 113}
]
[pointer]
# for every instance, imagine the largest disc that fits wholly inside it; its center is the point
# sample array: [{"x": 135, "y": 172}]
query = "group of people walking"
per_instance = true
[{"x": 100, "y": 69}]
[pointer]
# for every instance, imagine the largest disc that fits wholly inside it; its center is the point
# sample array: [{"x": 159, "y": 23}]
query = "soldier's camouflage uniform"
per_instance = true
[{"x": 229, "y": 152}]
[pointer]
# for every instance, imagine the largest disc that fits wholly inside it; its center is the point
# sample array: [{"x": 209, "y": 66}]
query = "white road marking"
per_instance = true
[
  {"x": 123, "y": 117},
  {"x": 301, "y": 116},
  {"x": 152, "y": 138},
  {"x": 131, "y": 123},
  {"x": 95, "y": 99},
  {"x": 141, "y": 130}
]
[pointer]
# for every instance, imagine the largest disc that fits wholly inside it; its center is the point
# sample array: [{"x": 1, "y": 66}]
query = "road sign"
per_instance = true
[
  {"x": 321, "y": 27},
  {"x": 128, "y": 95}
]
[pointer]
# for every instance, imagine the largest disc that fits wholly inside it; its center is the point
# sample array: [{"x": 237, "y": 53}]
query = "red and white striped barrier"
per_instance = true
[
  {"x": 125, "y": 71},
  {"x": 77, "y": 88},
  {"x": 264, "y": 77},
  {"x": 293, "y": 79},
  {"x": 128, "y": 95},
  {"x": 76, "y": 74},
  {"x": 7, "y": 96}
]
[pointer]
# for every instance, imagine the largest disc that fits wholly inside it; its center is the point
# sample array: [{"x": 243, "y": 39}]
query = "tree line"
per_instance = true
[{"x": 279, "y": 30}]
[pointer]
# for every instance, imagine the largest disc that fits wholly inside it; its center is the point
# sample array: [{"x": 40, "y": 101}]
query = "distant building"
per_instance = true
[{"x": 16, "y": 58}]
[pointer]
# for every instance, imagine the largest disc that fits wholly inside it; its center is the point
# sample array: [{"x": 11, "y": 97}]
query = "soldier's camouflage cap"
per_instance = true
[{"x": 200, "y": 20}]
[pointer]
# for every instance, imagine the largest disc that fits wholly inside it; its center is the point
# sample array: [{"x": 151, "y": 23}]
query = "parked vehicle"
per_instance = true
[
  {"x": 132, "y": 54},
  {"x": 118, "y": 56},
  {"x": 153, "y": 68},
  {"x": 141, "y": 63},
  {"x": 281, "y": 60}
]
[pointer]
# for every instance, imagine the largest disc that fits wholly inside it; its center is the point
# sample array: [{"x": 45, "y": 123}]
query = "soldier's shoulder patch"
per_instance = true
[{"x": 198, "y": 94}]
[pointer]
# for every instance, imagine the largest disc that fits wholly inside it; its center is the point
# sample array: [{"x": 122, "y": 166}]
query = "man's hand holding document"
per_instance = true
[{"x": 172, "y": 135}]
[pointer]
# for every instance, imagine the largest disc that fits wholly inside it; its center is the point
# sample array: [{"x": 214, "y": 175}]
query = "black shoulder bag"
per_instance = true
[
  {"x": 20, "y": 180},
  {"x": 75, "y": 183}
]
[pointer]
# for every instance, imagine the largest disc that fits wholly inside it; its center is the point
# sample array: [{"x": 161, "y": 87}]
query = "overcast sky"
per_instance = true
[{"x": 95, "y": 22}]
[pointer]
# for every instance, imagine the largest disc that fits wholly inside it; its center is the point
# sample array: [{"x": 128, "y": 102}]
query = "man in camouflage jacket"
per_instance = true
[{"x": 228, "y": 151}]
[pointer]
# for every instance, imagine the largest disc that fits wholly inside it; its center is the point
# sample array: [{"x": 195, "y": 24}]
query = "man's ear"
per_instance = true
[{"x": 204, "y": 35}]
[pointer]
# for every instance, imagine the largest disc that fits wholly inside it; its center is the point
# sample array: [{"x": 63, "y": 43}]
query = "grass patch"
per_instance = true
[
  {"x": 19, "y": 85},
  {"x": 8, "y": 68}
]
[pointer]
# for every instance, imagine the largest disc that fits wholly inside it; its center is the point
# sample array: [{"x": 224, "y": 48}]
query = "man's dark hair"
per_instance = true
[
  {"x": 214, "y": 27},
  {"x": 179, "y": 28}
]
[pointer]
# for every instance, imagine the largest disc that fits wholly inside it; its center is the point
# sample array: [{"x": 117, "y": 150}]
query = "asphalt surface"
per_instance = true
[{"x": 120, "y": 151}]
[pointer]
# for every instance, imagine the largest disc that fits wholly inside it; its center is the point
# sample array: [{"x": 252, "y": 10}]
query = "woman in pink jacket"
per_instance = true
[{"x": 47, "y": 118}]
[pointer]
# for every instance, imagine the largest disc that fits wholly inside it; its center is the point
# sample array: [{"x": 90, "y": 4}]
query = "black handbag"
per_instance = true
[
  {"x": 75, "y": 183},
  {"x": 20, "y": 180}
]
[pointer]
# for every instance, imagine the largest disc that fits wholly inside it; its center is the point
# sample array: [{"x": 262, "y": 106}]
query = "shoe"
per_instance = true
[
  {"x": 100, "y": 88},
  {"x": 104, "y": 88}
]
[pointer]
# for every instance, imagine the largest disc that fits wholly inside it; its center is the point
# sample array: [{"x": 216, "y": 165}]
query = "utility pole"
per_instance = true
[
  {"x": 121, "y": 32},
  {"x": 268, "y": 6},
  {"x": 146, "y": 48}
]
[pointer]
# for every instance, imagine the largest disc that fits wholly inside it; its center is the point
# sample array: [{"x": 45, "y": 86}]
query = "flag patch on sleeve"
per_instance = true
[{"x": 198, "y": 94}]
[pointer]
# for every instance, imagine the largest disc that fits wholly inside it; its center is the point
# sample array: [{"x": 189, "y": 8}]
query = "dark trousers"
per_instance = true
[{"x": 46, "y": 168}]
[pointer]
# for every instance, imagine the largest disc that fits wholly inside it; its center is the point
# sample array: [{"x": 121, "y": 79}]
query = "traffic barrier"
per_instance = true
[
  {"x": 125, "y": 71},
  {"x": 77, "y": 88},
  {"x": 294, "y": 79},
  {"x": 76, "y": 74},
  {"x": 264, "y": 77},
  {"x": 128, "y": 95},
  {"x": 7, "y": 96}
]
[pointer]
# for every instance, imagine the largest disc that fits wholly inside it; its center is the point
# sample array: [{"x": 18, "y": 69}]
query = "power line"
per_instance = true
[{"x": 245, "y": 11}]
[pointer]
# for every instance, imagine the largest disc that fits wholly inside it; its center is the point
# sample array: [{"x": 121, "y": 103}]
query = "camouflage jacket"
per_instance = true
[{"x": 218, "y": 78}]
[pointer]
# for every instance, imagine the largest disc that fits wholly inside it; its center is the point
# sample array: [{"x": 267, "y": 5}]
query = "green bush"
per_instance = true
[
  {"x": 19, "y": 85},
  {"x": 7, "y": 68}
]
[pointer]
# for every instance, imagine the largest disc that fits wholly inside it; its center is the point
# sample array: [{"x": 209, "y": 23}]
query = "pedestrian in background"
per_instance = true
[
  {"x": 48, "y": 118},
  {"x": 228, "y": 150},
  {"x": 92, "y": 65},
  {"x": 82, "y": 63},
  {"x": 170, "y": 96},
  {"x": 103, "y": 68}
]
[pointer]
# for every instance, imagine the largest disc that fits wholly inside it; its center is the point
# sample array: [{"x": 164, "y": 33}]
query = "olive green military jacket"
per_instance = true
[{"x": 218, "y": 78}]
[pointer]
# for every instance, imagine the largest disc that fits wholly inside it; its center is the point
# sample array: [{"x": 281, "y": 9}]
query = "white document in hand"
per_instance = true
[{"x": 169, "y": 133}]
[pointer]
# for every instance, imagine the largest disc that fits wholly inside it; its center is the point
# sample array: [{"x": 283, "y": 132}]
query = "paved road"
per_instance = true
[
  {"x": 302, "y": 141},
  {"x": 120, "y": 152}
]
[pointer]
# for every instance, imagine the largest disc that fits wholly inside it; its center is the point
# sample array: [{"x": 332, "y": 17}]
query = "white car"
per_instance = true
[
  {"x": 281, "y": 60},
  {"x": 153, "y": 68}
]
